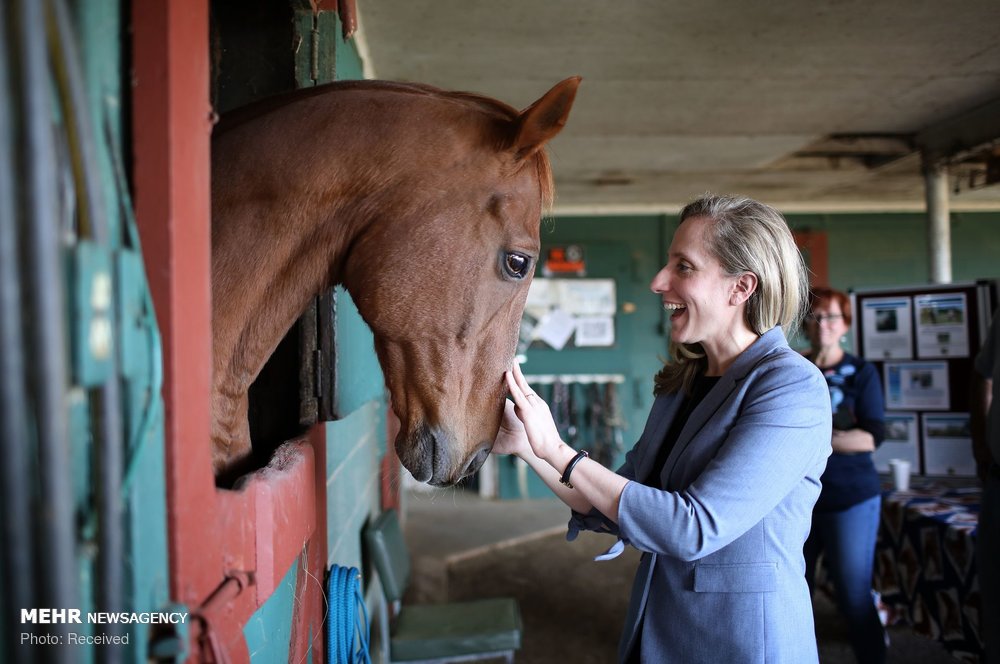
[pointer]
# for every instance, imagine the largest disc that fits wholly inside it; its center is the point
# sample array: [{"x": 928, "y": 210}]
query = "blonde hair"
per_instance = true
[{"x": 744, "y": 236}]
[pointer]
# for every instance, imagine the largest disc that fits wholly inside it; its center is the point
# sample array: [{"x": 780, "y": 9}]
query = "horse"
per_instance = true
[{"x": 426, "y": 206}]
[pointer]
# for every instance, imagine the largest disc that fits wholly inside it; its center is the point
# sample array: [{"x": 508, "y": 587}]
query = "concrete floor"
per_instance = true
[{"x": 573, "y": 608}]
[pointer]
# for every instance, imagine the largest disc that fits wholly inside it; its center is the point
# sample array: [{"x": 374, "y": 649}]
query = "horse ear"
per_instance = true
[{"x": 538, "y": 123}]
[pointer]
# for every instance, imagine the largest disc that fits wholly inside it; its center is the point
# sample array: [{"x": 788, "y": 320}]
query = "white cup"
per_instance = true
[{"x": 900, "y": 474}]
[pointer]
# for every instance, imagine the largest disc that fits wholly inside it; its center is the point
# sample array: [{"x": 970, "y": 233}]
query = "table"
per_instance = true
[{"x": 925, "y": 564}]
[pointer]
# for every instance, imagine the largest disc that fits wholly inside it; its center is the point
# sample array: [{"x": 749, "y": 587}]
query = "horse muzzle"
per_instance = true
[{"x": 432, "y": 455}]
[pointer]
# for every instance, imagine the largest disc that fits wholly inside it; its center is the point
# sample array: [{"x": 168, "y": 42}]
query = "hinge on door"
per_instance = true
[
  {"x": 168, "y": 641},
  {"x": 212, "y": 619},
  {"x": 326, "y": 324},
  {"x": 318, "y": 374},
  {"x": 314, "y": 56}
]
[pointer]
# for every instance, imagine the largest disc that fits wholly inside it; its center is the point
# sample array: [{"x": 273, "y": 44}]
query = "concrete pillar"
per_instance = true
[{"x": 938, "y": 222}]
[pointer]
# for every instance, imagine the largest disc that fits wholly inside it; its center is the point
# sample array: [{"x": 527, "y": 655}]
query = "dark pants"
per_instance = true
[{"x": 848, "y": 539}]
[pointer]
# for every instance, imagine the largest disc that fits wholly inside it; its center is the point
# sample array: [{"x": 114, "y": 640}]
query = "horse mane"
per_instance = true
[{"x": 488, "y": 105}]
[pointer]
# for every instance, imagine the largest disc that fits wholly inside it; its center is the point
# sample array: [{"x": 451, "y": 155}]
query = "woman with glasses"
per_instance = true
[{"x": 846, "y": 517}]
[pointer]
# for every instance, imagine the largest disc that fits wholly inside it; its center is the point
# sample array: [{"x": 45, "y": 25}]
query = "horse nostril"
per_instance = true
[
  {"x": 431, "y": 459},
  {"x": 476, "y": 462},
  {"x": 418, "y": 453}
]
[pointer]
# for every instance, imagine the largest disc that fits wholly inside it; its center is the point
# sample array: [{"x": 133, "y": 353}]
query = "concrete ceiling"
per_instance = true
[{"x": 818, "y": 106}]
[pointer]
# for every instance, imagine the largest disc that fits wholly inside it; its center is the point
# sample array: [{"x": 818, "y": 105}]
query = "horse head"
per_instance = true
[
  {"x": 426, "y": 205},
  {"x": 454, "y": 265}
]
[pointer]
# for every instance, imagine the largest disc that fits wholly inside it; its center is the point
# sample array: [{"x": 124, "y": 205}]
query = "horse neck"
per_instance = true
[{"x": 267, "y": 279}]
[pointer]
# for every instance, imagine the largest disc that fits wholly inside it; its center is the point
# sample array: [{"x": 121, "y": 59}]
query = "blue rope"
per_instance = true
[{"x": 343, "y": 589}]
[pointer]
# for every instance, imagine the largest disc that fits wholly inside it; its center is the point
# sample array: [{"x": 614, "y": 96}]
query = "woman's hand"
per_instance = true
[
  {"x": 533, "y": 413},
  {"x": 512, "y": 438}
]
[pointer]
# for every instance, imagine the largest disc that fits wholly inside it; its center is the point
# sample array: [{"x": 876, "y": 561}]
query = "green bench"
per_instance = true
[{"x": 452, "y": 632}]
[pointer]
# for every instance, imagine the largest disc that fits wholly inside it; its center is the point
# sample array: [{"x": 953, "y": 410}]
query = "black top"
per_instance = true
[
  {"x": 856, "y": 400},
  {"x": 701, "y": 386}
]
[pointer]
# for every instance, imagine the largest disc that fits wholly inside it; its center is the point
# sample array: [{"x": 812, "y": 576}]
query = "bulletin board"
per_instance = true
[
  {"x": 574, "y": 313},
  {"x": 923, "y": 341}
]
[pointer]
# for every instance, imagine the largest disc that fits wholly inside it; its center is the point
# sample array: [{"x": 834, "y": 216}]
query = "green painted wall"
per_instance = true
[
  {"x": 874, "y": 250},
  {"x": 352, "y": 486}
]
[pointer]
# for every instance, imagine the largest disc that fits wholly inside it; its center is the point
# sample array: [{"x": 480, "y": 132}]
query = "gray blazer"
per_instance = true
[{"x": 722, "y": 577}]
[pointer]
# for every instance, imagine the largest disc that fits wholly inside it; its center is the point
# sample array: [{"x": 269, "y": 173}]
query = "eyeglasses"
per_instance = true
[{"x": 821, "y": 318}]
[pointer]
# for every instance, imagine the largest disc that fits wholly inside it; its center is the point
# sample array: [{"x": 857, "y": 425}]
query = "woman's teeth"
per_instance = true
[{"x": 670, "y": 306}]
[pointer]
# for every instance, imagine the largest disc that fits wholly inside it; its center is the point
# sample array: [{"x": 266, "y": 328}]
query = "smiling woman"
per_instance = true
[
  {"x": 743, "y": 252},
  {"x": 718, "y": 491}
]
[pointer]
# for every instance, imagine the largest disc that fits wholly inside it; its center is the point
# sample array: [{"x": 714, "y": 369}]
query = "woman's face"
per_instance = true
[
  {"x": 695, "y": 289},
  {"x": 825, "y": 324}
]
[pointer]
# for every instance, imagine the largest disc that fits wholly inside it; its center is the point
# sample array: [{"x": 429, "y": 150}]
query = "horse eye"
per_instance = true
[{"x": 516, "y": 265}]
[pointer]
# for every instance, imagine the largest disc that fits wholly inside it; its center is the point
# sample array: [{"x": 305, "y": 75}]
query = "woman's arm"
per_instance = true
[
  {"x": 594, "y": 486},
  {"x": 852, "y": 441},
  {"x": 869, "y": 415}
]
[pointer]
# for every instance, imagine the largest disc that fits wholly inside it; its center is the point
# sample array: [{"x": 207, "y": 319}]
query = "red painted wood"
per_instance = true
[
  {"x": 813, "y": 245},
  {"x": 256, "y": 533},
  {"x": 171, "y": 129},
  {"x": 284, "y": 497},
  {"x": 265, "y": 526},
  {"x": 310, "y": 591},
  {"x": 389, "y": 467}
]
